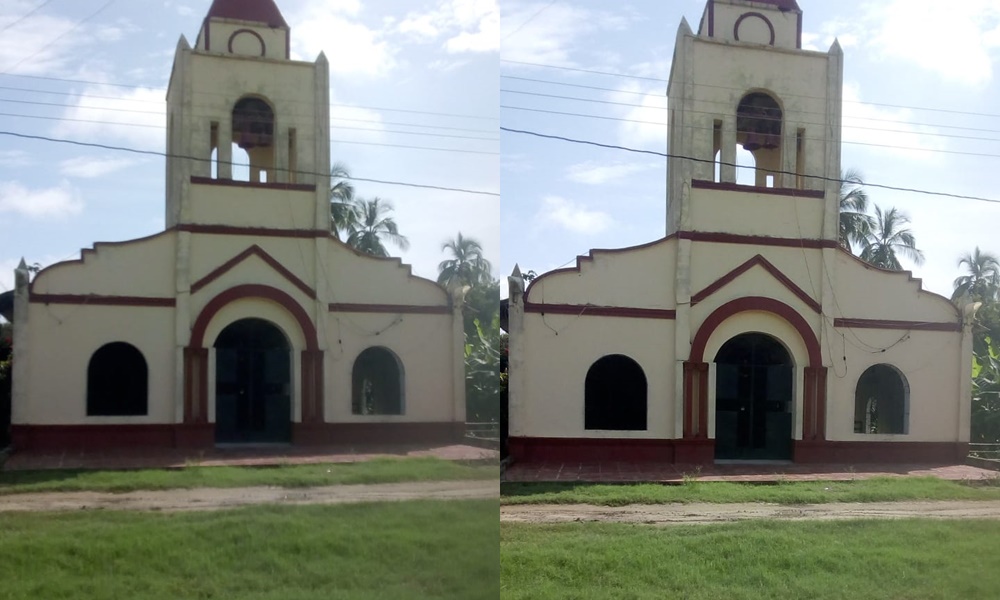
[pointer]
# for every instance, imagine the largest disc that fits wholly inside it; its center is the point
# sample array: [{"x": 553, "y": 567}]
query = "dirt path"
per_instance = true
[
  {"x": 687, "y": 514},
  {"x": 223, "y": 498}
]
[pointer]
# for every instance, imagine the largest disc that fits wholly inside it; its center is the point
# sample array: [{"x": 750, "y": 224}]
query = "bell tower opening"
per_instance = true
[
  {"x": 253, "y": 131},
  {"x": 759, "y": 121}
]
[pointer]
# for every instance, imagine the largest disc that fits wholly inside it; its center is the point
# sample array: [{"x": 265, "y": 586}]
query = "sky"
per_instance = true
[
  {"x": 921, "y": 110},
  {"x": 96, "y": 71}
]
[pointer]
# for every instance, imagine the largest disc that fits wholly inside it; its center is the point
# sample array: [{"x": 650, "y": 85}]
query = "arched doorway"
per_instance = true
[
  {"x": 252, "y": 384},
  {"x": 753, "y": 399}
]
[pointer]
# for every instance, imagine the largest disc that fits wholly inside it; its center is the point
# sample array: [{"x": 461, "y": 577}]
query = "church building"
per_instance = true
[
  {"x": 245, "y": 321},
  {"x": 747, "y": 333}
]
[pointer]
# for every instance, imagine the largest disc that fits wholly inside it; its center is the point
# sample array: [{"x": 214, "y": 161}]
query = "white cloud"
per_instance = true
[
  {"x": 886, "y": 130},
  {"x": 646, "y": 124},
  {"x": 133, "y": 116},
  {"x": 89, "y": 167},
  {"x": 596, "y": 173},
  {"x": 61, "y": 201},
  {"x": 553, "y": 35},
  {"x": 15, "y": 158},
  {"x": 573, "y": 217},
  {"x": 353, "y": 123},
  {"x": 466, "y": 25},
  {"x": 959, "y": 41},
  {"x": 353, "y": 48}
]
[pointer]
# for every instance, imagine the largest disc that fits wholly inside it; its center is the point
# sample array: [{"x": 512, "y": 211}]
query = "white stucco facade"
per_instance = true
[
  {"x": 744, "y": 271},
  {"x": 256, "y": 252}
]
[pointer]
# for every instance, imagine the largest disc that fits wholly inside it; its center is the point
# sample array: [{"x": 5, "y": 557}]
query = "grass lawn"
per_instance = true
[
  {"x": 884, "y": 489},
  {"x": 861, "y": 560},
  {"x": 407, "y": 550},
  {"x": 374, "y": 471}
]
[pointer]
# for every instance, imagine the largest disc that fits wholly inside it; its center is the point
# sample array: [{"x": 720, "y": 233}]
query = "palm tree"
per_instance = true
[
  {"x": 982, "y": 280},
  {"x": 855, "y": 222},
  {"x": 888, "y": 237},
  {"x": 372, "y": 226},
  {"x": 343, "y": 208},
  {"x": 467, "y": 265}
]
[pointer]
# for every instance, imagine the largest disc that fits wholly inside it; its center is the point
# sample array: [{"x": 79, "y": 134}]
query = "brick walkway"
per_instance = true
[
  {"x": 247, "y": 456},
  {"x": 617, "y": 472}
]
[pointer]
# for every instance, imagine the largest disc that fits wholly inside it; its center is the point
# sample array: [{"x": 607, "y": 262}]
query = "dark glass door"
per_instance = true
[
  {"x": 253, "y": 384},
  {"x": 753, "y": 399}
]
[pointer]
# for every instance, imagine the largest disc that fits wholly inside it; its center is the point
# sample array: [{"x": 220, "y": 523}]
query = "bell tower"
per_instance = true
[
  {"x": 743, "y": 80},
  {"x": 242, "y": 115}
]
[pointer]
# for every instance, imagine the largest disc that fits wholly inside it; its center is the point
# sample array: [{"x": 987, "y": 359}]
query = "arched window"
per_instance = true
[
  {"x": 377, "y": 383},
  {"x": 615, "y": 395},
  {"x": 117, "y": 382},
  {"x": 882, "y": 401}
]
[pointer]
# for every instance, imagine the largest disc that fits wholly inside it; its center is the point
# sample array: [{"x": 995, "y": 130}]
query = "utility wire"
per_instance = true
[
  {"x": 886, "y": 105},
  {"x": 529, "y": 20},
  {"x": 208, "y": 160},
  {"x": 25, "y": 16},
  {"x": 713, "y": 162},
  {"x": 59, "y": 37}
]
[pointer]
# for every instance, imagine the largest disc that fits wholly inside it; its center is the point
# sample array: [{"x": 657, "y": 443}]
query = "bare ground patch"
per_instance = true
[
  {"x": 702, "y": 513},
  {"x": 200, "y": 499}
]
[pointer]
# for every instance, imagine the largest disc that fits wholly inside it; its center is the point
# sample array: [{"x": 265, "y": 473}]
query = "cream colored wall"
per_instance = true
[
  {"x": 868, "y": 292},
  {"x": 221, "y": 30},
  {"x": 139, "y": 268},
  {"x": 555, "y": 371},
  {"x": 62, "y": 340},
  {"x": 798, "y": 80},
  {"x": 350, "y": 278},
  {"x": 620, "y": 278},
  {"x": 208, "y": 252},
  {"x": 712, "y": 261},
  {"x": 249, "y": 207},
  {"x": 753, "y": 29},
  {"x": 747, "y": 213},
  {"x": 930, "y": 361},
  {"x": 423, "y": 344}
]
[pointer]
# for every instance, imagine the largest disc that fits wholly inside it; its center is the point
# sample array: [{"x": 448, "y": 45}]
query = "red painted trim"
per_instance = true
[
  {"x": 688, "y": 430},
  {"x": 901, "y": 325},
  {"x": 821, "y": 376},
  {"x": 195, "y": 386},
  {"x": 767, "y": 266},
  {"x": 600, "y": 311},
  {"x": 736, "y": 27},
  {"x": 96, "y": 300},
  {"x": 295, "y": 187},
  {"x": 307, "y": 434},
  {"x": 253, "y": 231},
  {"x": 809, "y": 404},
  {"x": 702, "y": 370},
  {"x": 66, "y": 438},
  {"x": 711, "y": 18},
  {"x": 390, "y": 308},
  {"x": 537, "y": 449},
  {"x": 755, "y": 240},
  {"x": 254, "y": 291},
  {"x": 756, "y": 303},
  {"x": 254, "y": 250},
  {"x": 263, "y": 46},
  {"x": 702, "y": 184},
  {"x": 843, "y": 452},
  {"x": 312, "y": 386},
  {"x": 590, "y": 257}
]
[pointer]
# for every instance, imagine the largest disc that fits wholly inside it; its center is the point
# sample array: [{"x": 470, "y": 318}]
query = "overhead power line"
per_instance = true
[
  {"x": 198, "y": 159},
  {"x": 25, "y": 16},
  {"x": 657, "y": 79},
  {"x": 713, "y": 162}
]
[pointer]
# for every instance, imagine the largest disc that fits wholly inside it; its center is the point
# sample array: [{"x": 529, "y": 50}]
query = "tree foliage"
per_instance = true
[
  {"x": 467, "y": 265},
  {"x": 982, "y": 278},
  {"x": 890, "y": 238},
  {"x": 855, "y": 222},
  {"x": 374, "y": 225}
]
